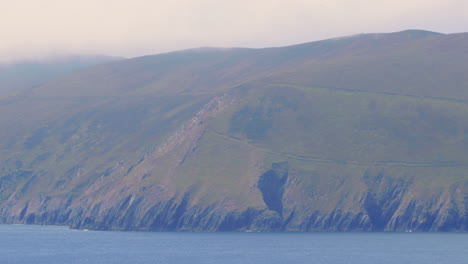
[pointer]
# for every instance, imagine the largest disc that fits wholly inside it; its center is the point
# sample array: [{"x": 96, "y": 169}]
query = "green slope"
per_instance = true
[
  {"x": 18, "y": 76},
  {"x": 368, "y": 132}
]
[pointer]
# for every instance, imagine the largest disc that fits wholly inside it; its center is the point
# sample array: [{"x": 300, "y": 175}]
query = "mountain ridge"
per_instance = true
[{"x": 337, "y": 135}]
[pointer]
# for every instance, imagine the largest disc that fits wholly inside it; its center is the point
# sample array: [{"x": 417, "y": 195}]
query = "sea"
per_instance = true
[{"x": 61, "y": 245}]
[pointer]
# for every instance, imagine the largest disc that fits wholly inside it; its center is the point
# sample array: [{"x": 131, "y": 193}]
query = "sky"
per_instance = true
[{"x": 33, "y": 29}]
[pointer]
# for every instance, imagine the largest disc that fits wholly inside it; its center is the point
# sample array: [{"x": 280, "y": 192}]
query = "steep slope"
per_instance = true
[{"x": 368, "y": 132}]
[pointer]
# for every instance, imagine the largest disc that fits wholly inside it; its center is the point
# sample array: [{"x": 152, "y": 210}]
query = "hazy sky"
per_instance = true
[{"x": 36, "y": 28}]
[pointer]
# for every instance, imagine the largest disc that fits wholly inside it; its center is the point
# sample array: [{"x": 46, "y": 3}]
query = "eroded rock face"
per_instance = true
[
  {"x": 271, "y": 184},
  {"x": 384, "y": 206}
]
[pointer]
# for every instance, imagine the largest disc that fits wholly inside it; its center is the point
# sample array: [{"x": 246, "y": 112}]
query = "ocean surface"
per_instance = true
[{"x": 51, "y": 244}]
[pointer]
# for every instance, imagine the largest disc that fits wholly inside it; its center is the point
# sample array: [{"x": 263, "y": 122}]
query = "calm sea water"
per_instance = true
[{"x": 48, "y": 244}]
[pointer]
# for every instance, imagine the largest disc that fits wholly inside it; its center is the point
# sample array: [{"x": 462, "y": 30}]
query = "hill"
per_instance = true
[
  {"x": 368, "y": 132},
  {"x": 20, "y": 75}
]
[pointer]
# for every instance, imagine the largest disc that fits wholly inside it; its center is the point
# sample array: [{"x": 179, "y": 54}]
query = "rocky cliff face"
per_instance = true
[
  {"x": 235, "y": 140},
  {"x": 392, "y": 208}
]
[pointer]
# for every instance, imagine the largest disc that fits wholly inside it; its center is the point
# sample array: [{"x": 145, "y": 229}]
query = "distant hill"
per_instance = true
[
  {"x": 360, "y": 133},
  {"x": 20, "y": 75}
]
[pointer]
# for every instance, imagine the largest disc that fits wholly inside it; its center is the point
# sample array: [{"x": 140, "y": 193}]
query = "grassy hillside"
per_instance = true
[
  {"x": 21, "y": 75},
  {"x": 368, "y": 132}
]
